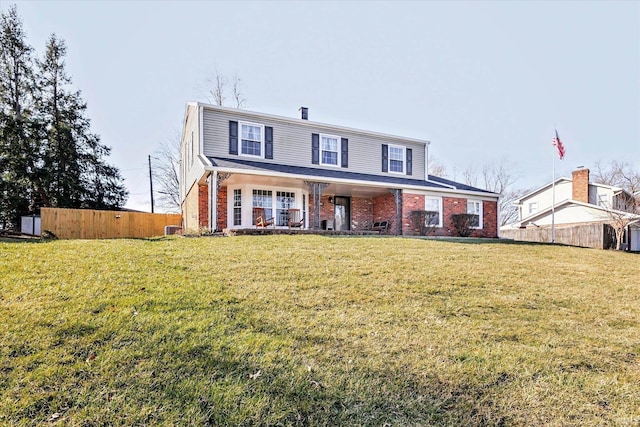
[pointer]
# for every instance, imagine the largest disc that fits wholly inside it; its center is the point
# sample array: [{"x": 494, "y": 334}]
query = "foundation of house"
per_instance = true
[{"x": 268, "y": 231}]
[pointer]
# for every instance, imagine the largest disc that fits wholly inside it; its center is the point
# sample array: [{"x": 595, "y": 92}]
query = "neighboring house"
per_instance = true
[
  {"x": 233, "y": 161},
  {"x": 577, "y": 201}
]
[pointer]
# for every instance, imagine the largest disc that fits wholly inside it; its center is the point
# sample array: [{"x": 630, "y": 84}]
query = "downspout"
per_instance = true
[
  {"x": 426, "y": 161},
  {"x": 397, "y": 196}
]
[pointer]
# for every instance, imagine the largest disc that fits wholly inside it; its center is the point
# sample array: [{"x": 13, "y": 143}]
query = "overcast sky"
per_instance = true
[{"x": 483, "y": 81}]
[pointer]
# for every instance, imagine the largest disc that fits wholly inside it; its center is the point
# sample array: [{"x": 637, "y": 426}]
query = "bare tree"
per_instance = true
[
  {"x": 509, "y": 211},
  {"x": 238, "y": 97},
  {"x": 166, "y": 168},
  {"x": 437, "y": 168},
  {"x": 165, "y": 174},
  {"x": 495, "y": 177},
  {"x": 620, "y": 220},
  {"x": 217, "y": 86},
  {"x": 470, "y": 175},
  {"x": 618, "y": 174}
]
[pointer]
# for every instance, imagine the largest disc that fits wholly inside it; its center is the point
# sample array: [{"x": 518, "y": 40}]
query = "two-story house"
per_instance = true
[
  {"x": 234, "y": 161},
  {"x": 577, "y": 201}
]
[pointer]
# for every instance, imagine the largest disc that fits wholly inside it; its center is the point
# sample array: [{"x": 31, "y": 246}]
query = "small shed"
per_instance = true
[{"x": 30, "y": 225}]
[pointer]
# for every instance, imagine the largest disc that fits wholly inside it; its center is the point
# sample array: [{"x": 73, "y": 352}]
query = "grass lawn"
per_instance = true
[{"x": 310, "y": 330}]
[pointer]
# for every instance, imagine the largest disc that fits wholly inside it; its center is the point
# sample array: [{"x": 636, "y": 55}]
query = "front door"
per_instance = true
[{"x": 342, "y": 213}]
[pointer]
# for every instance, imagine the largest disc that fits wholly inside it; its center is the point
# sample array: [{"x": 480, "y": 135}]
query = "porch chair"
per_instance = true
[
  {"x": 295, "y": 218},
  {"x": 260, "y": 219}
]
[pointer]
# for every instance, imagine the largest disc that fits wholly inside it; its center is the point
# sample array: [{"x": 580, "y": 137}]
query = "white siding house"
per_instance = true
[
  {"x": 235, "y": 163},
  {"x": 577, "y": 201}
]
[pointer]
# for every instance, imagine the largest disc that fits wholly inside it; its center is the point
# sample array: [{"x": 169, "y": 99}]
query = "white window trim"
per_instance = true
[
  {"x": 404, "y": 159},
  {"x": 533, "y": 207},
  {"x": 603, "y": 201},
  {"x": 247, "y": 203},
  {"x": 481, "y": 215},
  {"x": 262, "y": 143},
  {"x": 439, "y": 199},
  {"x": 338, "y": 149}
]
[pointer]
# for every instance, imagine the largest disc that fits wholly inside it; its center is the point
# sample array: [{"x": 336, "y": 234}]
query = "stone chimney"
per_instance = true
[
  {"x": 580, "y": 191},
  {"x": 304, "y": 113}
]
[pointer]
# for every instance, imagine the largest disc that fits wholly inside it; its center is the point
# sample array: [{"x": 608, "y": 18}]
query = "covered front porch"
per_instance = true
[{"x": 327, "y": 207}]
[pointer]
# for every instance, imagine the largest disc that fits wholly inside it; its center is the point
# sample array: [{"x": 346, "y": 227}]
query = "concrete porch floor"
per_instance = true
[{"x": 267, "y": 231}]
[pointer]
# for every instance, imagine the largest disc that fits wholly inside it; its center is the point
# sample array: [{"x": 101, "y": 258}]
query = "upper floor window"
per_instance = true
[
  {"x": 329, "y": 147},
  {"x": 533, "y": 207},
  {"x": 474, "y": 207},
  {"x": 396, "y": 159},
  {"x": 603, "y": 200},
  {"x": 252, "y": 138},
  {"x": 329, "y": 150}
]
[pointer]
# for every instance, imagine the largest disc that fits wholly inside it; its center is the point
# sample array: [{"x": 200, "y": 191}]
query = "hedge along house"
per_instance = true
[{"x": 233, "y": 161}]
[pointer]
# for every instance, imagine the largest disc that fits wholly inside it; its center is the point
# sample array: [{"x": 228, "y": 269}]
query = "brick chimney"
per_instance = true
[{"x": 580, "y": 191}]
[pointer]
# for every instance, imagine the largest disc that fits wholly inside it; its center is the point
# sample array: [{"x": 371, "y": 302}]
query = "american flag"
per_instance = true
[{"x": 558, "y": 144}]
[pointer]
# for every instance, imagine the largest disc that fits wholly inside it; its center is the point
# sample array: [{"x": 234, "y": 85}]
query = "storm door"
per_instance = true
[{"x": 342, "y": 213}]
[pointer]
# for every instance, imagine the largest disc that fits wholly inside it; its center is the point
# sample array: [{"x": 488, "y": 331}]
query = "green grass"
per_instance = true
[{"x": 309, "y": 330}]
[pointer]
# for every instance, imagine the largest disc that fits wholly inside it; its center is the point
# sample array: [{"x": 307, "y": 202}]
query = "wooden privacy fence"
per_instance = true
[
  {"x": 599, "y": 236},
  {"x": 92, "y": 224}
]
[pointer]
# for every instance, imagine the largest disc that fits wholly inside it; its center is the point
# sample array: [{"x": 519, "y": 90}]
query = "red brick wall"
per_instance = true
[
  {"x": 361, "y": 209},
  {"x": 222, "y": 208},
  {"x": 490, "y": 219},
  {"x": 326, "y": 210},
  {"x": 203, "y": 205},
  {"x": 384, "y": 209},
  {"x": 580, "y": 190},
  {"x": 410, "y": 203},
  {"x": 456, "y": 205},
  {"x": 361, "y": 213},
  {"x": 450, "y": 206}
]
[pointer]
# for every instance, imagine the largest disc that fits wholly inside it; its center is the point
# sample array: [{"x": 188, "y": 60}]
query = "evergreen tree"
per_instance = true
[
  {"x": 48, "y": 155},
  {"x": 78, "y": 175},
  {"x": 66, "y": 126},
  {"x": 20, "y": 130}
]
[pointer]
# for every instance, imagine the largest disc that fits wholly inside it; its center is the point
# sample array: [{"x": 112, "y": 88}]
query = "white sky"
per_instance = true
[{"x": 484, "y": 81}]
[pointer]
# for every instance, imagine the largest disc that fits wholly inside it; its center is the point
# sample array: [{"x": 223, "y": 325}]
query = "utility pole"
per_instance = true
[{"x": 151, "y": 183}]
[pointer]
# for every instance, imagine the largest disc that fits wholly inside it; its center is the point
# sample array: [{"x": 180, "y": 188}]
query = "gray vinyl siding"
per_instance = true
[
  {"x": 292, "y": 142},
  {"x": 190, "y": 171}
]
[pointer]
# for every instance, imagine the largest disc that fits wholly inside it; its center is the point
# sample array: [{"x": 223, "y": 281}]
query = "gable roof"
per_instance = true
[
  {"x": 567, "y": 202},
  {"x": 433, "y": 182},
  {"x": 616, "y": 190},
  {"x": 310, "y": 123}
]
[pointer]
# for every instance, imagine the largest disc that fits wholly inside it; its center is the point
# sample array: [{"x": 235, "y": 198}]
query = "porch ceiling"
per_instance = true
[{"x": 334, "y": 189}]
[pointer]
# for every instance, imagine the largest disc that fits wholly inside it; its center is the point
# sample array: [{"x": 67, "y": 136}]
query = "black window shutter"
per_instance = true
[
  {"x": 268, "y": 142},
  {"x": 345, "y": 152},
  {"x": 385, "y": 158},
  {"x": 233, "y": 137},
  {"x": 315, "y": 148},
  {"x": 409, "y": 161}
]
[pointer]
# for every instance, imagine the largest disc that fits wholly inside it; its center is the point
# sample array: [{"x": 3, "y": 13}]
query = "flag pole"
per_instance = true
[{"x": 553, "y": 200}]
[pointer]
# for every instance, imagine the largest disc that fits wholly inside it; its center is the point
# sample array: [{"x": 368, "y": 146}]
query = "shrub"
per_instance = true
[
  {"x": 463, "y": 223},
  {"x": 425, "y": 221}
]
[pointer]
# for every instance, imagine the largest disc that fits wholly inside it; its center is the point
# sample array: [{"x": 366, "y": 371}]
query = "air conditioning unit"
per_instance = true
[{"x": 172, "y": 229}]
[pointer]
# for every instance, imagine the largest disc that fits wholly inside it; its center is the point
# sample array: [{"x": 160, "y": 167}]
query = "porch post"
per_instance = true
[
  {"x": 220, "y": 177},
  {"x": 315, "y": 188},
  {"x": 397, "y": 195},
  {"x": 213, "y": 195}
]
